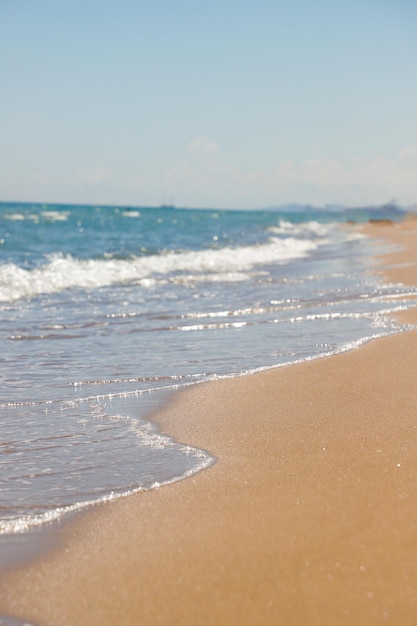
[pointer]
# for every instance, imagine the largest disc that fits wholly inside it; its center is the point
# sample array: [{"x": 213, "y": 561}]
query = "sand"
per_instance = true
[{"x": 309, "y": 517}]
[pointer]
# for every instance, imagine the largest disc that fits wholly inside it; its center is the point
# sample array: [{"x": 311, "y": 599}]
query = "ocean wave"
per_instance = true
[
  {"x": 131, "y": 214},
  {"x": 26, "y": 522},
  {"x": 47, "y": 215},
  {"x": 310, "y": 229},
  {"x": 21, "y": 217},
  {"x": 56, "y": 216},
  {"x": 152, "y": 447},
  {"x": 221, "y": 264}
]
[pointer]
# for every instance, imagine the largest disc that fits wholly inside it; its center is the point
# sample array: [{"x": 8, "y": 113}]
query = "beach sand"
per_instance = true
[{"x": 309, "y": 516}]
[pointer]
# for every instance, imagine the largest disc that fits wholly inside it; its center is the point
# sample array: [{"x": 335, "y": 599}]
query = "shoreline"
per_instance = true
[{"x": 307, "y": 517}]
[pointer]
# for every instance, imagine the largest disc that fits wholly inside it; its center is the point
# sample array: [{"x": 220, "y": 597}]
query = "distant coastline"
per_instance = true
[{"x": 374, "y": 210}]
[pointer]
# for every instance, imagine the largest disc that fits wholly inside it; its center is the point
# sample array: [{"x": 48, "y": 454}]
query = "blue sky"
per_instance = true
[{"x": 208, "y": 104}]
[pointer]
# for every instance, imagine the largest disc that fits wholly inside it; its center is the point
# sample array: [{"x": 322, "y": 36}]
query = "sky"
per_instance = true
[{"x": 219, "y": 103}]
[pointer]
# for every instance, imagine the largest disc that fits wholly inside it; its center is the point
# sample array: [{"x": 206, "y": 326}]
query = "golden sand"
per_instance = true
[{"x": 309, "y": 517}]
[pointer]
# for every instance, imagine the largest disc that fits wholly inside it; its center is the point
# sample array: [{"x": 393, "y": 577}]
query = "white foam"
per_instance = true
[
  {"x": 226, "y": 264},
  {"x": 131, "y": 214},
  {"x": 21, "y": 217},
  {"x": 49, "y": 215},
  {"x": 56, "y": 216},
  {"x": 26, "y": 522},
  {"x": 212, "y": 326},
  {"x": 304, "y": 229},
  {"x": 14, "y": 217}
]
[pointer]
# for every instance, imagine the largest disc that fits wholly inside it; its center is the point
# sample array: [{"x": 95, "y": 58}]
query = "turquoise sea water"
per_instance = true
[{"x": 104, "y": 310}]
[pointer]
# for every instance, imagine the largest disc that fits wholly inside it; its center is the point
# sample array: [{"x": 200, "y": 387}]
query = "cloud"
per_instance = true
[
  {"x": 204, "y": 178},
  {"x": 409, "y": 152},
  {"x": 92, "y": 175},
  {"x": 202, "y": 145},
  {"x": 317, "y": 181},
  {"x": 82, "y": 176}
]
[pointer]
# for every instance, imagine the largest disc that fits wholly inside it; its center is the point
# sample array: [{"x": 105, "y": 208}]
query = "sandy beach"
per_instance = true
[{"x": 309, "y": 515}]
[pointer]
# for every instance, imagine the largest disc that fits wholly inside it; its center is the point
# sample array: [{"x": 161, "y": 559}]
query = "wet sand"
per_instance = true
[{"x": 308, "y": 517}]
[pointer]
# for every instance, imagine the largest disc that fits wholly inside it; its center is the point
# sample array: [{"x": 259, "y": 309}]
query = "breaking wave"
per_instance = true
[{"x": 227, "y": 264}]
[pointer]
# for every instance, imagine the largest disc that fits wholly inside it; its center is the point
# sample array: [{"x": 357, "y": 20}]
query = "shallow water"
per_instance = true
[{"x": 103, "y": 311}]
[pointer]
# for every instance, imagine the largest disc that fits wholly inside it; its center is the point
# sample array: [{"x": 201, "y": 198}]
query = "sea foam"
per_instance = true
[{"x": 62, "y": 272}]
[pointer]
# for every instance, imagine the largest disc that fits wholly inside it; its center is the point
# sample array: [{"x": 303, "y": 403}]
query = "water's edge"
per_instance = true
[{"x": 19, "y": 549}]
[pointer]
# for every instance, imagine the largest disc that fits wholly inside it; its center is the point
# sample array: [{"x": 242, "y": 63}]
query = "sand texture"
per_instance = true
[{"x": 309, "y": 517}]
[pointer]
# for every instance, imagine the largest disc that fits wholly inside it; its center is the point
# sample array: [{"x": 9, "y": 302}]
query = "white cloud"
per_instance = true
[
  {"x": 320, "y": 172},
  {"x": 92, "y": 175},
  {"x": 409, "y": 152},
  {"x": 202, "y": 145},
  {"x": 317, "y": 181},
  {"x": 203, "y": 178}
]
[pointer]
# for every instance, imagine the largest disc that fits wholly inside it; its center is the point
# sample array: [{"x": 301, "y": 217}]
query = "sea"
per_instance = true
[{"x": 105, "y": 311}]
